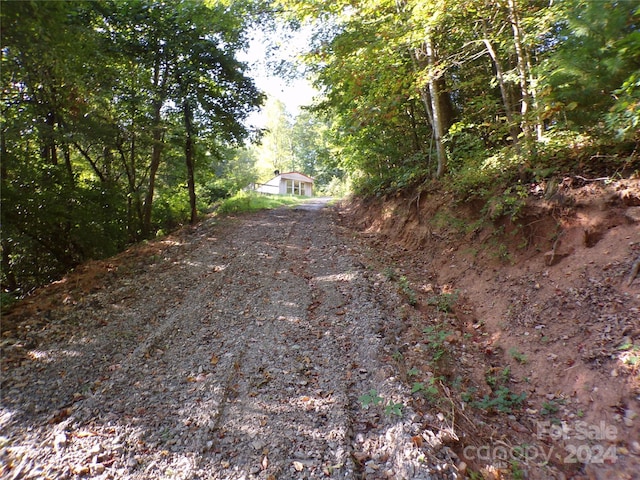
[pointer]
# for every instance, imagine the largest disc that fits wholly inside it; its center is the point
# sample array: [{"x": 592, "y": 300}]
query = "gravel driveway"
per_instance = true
[{"x": 241, "y": 351}]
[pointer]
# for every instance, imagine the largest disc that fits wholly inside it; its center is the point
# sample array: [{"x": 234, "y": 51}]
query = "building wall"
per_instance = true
[{"x": 283, "y": 184}]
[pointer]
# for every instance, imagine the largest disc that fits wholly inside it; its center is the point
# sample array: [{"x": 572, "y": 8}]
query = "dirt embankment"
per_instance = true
[{"x": 535, "y": 323}]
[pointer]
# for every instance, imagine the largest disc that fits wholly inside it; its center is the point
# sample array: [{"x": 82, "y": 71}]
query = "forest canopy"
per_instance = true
[{"x": 122, "y": 119}]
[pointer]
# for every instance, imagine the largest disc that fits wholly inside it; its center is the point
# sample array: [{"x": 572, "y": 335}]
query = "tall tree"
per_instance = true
[{"x": 90, "y": 91}]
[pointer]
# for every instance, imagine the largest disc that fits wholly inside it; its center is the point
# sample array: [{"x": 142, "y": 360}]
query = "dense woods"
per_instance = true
[
  {"x": 122, "y": 119},
  {"x": 478, "y": 91},
  {"x": 114, "y": 115}
]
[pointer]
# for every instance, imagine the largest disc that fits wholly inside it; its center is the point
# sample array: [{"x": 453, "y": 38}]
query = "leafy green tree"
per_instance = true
[
  {"x": 108, "y": 106},
  {"x": 592, "y": 52},
  {"x": 479, "y": 86},
  {"x": 53, "y": 214},
  {"x": 275, "y": 151}
]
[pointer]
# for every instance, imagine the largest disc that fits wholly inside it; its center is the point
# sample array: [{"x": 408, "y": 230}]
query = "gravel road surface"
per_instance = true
[{"x": 249, "y": 347}]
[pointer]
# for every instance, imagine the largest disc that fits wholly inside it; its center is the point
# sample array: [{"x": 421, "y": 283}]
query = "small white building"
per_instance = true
[{"x": 290, "y": 183}]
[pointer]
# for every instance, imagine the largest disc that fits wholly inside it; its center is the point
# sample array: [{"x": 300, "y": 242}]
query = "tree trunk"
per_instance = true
[
  {"x": 9, "y": 277},
  {"x": 158, "y": 145},
  {"x": 522, "y": 68},
  {"x": 504, "y": 92},
  {"x": 436, "y": 107},
  {"x": 156, "y": 156},
  {"x": 49, "y": 151},
  {"x": 66, "y": 151},
  {"x": 534, "y": 98},
  {"x": 189, "y": 152}
]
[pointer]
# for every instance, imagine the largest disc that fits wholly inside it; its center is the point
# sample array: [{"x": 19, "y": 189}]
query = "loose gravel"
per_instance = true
[{"x": 252, "y": 347}]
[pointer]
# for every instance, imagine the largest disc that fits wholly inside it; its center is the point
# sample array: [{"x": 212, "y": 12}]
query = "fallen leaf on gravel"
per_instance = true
[
  {"x": 417, "y": 441},
  {"x": 360, "y": 457},
  {"x": 61, "y": 415},
  {"x": 214, "y": 359},
  {"x": 85, "y": 434}
]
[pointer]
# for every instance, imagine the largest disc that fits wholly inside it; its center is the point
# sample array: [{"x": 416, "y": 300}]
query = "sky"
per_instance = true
[{"x": 293, "y": 93}]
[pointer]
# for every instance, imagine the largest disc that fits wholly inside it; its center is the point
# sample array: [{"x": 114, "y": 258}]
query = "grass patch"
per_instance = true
[
  {"x": 252, "y": 202},
  {"x": 521, "y": 358}
]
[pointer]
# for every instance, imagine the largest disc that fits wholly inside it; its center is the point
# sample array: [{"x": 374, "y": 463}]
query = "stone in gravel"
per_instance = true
[{"x": 60, "y": 441}]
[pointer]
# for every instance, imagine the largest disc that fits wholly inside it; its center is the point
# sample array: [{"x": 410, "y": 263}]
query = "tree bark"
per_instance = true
[
  {"x": 158, "y": 145},
  {"x": 436, "y": 107},
  {"x": 7, "y": 269},
  {"x": 189, "y": 152},
  {"x": 504, "y": 92},
  {"x": 522, "y": 68}
]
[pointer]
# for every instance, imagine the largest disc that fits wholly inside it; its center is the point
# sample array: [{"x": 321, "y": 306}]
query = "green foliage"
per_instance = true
[
  {"x": 390, "y": 274},
  {"x": 407, "y": 291},
  {"x": 338, "y": 187},
  {"x": 596, "y": 50},
  {"x": 444, "y": 302},
  {"x": 514, "y": 100},
  {"x": 549, "y": 407},
  {"x": 392, "y": 408},
  {"x": 436, "y": 337},
  {"x": 623, "y": 118},
  {"x": 104, "y": 105},
  {"x": 517, "y": 356},
  {"x": 502, "y": 400},
  {"x": 371, "y": 398},
  {"x": 250, "y": 202},
  {"x": 429, "y": 390},
  {"x": 508, "y": 204},
  {"x": 6, "y": 300}
]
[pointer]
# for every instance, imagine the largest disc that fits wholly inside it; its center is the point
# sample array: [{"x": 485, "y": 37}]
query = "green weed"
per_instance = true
[
  {"x": 392, "y": 408},
  {"x": 373, "y": 398},
  {"x": 435, "y": 341},
  {"x": 430, "y": 390},
  {"x": 501, "y": 400},
  {"x": 517, "y": 356},
  {"x": 407, "y": 291},
  {"x": 444, "y": 302},
  {"x": 390, "y": 274},
  {"x": 549, "y": 408}
]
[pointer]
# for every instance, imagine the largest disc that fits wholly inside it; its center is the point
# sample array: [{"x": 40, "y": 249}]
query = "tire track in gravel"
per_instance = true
[{"x": 241, "y": 357}]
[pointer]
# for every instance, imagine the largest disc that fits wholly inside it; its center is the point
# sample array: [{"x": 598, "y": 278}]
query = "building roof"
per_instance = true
[{"x": 296, "y": 176}]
